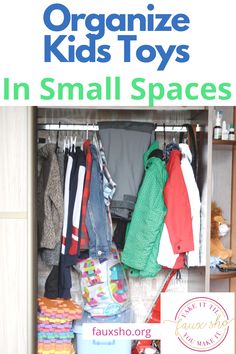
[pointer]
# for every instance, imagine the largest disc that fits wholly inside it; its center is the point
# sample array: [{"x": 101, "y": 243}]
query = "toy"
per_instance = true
[
  {"x": 118, "y": 285},
  {"x": 86, "y": 295},
  {"x": 91, "y": 273},
  {"x": 219, "y": 228}
]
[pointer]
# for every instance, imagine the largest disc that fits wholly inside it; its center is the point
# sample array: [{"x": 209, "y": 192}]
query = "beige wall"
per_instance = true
[{"x": 16, "y": 273}]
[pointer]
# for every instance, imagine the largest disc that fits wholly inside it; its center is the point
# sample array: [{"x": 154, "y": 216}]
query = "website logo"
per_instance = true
[
  {"x": 202, "y": 324},
  {"x": 199, "y": 323}
]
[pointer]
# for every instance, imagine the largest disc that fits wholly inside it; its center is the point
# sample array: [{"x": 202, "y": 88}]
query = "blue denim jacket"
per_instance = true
[{"x": 97, "y": 213}]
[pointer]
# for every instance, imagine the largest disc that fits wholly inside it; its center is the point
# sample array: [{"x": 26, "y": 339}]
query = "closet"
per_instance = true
[
  {"x": 54, "y": 122},
  {"x": 24, "y": 127}
]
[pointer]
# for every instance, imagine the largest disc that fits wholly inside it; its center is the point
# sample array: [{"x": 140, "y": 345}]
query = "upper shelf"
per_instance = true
[
  {"x": 224, "y": 142},
  {"x": 90, "y": 115}
]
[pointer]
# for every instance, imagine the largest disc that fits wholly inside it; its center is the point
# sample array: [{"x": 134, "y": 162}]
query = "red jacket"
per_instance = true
[{"x": 178, "y": 218}]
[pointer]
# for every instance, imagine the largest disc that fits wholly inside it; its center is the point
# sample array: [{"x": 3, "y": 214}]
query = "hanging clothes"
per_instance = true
[
  {"x": 97, "y": 222},
  {"x": 192, "y": 257},
  {"x": 109, "y": 186},
  {"x": 119, "y": 234},
  {"x": 145, "y": 229},
  {"x": 178, "y": 231},
  {"x": 50, "y": 205},
  {"x": 76, "y": 197},
  {"x": 74, "y": 182},
  {"x": 124, "y": 145},
  {"x": 52, "y": 257},
  {"x": 166, "y": 256},
  {"x": 84, "y": 237},
  {"x": 64, "y": 276}
]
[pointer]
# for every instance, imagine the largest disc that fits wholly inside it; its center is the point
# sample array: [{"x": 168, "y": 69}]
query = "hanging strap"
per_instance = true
[{"x": 154, "y": 317}]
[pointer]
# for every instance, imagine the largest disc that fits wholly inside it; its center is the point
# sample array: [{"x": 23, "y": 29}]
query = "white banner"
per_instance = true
[{"x": 117, "y": 53}]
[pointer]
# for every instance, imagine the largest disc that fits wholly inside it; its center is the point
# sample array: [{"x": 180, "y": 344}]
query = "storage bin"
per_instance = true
[{"x": 102, "y": 346}]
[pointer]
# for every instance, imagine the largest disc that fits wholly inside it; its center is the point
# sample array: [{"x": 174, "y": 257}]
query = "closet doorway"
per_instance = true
[
  {"x": 58, "y": 125},
  {"x": 18, "y": 209}
]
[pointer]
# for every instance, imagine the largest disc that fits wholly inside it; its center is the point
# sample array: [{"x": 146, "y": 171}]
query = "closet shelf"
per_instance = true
[
  {"x": 218, "y": 275},
  {"x": 224, "y": 142}
]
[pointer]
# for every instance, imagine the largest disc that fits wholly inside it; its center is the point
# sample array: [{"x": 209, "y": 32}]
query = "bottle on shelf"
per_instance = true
[
  {"x": 231, "y": 132},
  {"x": 217, "y": 131},
  {"x": 225, "y": 132}
]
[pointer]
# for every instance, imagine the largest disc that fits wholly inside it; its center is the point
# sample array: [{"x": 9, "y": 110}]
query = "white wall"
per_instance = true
[{"x": 15, "y": 233}]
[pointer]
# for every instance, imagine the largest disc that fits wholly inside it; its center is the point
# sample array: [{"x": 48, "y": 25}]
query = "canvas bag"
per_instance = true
[{"x": 104, "y": 285}]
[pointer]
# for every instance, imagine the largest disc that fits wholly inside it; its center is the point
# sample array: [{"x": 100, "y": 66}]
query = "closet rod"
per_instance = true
[
  {"x": 95, "y": 127},
  {"x": 70, "y": 127},
  {"x": 171, "y": 129}
]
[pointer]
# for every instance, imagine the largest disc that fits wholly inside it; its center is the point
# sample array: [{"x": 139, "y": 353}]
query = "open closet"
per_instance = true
[
  {"x": 30, "y": 129},
  {"x": 126, "y": 137}
]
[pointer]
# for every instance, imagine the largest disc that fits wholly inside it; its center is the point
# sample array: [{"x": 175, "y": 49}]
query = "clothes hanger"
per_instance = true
[
  {"x": 80, "y": 139},
  {"x": 96, "y": 138},
  {"x": 57, "y": 139},
  {"x": 155, "y": 132},
  {"x": 66, "y": 143},
  {"x": 192, "y": 145},
  {"x": 73, "y": 143},
  {"x": 49, "y": 140},
  {"x": 94, "y": 132},
  {"x": 164, "y": 131},
  {"x": 87, "y": 133},
  {"x": 174, "y": 136}
]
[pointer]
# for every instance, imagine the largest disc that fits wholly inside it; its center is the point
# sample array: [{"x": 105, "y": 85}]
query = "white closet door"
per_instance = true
[{"x": 16, "y": 259}]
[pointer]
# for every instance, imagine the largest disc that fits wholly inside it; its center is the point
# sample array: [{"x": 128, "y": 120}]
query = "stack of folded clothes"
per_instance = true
[{"x": 55, "y": 325}]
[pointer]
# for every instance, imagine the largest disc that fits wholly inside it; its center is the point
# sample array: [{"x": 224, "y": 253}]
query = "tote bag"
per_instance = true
[{"x": 104, "y": 285}]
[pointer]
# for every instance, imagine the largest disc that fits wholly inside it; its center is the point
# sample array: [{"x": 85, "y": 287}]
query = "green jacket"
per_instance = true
[{"x": 145, "y": 229}]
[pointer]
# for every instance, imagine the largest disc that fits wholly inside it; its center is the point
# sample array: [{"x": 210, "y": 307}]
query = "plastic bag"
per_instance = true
[{"x": 104, "y": 285}]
